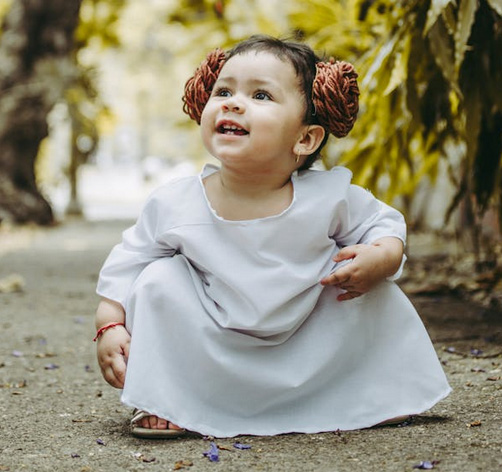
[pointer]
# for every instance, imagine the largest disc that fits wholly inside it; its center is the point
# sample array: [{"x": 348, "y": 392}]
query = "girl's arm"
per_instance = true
[
  {"x": 113, "y": 343},
  {"x": 371, "y": 263}
]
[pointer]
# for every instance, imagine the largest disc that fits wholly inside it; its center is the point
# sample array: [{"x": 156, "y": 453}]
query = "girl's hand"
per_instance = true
[
  {"x": 113, "y": 352},
  {"x": 371, "y": 263}
]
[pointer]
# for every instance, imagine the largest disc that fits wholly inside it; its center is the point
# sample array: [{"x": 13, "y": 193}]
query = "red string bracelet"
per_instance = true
[{"x": 104, "y": 328}]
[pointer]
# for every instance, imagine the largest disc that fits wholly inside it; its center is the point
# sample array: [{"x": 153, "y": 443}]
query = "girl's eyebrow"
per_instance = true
[{"x": 256, "y": 82}]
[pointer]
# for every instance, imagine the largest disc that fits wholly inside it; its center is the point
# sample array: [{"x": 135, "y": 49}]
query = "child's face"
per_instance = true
[{"x": 254, "y": 116}]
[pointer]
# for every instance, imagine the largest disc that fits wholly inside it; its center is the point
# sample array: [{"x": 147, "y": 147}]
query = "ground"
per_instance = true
[{"x": 57, "y": 414}]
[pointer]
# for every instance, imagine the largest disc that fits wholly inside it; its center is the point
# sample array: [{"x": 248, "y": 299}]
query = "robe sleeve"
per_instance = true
[
  {"x": 363, "y": 219},
  {"x": 140, "y": 246}
]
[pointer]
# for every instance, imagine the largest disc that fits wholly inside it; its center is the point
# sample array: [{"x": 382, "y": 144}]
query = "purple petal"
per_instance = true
[
  {"x": 51, "y": 366},
  {"x": 238, "y": 445},
  {"x": 100, "y": 442},
  {"x": 74, "y": 455},
  {"x": 213, "y": 454},
  {"x": 17, "y": 354},
  {"x": 450, "y": 349},
  {"x": 425, "y": 465},
  {"x": 476, "y": 352}
]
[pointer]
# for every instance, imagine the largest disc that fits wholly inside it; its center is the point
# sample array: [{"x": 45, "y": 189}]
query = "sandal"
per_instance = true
[{"x": 150, "y": 433}]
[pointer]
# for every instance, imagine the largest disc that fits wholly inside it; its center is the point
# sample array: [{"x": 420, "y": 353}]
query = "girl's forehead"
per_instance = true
[{"x": 258, "y": 64}]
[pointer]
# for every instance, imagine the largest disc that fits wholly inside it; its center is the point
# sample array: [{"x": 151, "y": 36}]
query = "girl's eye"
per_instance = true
[
  {"x": 262, "y": 96},
  {"x": 222, "y": 93}
]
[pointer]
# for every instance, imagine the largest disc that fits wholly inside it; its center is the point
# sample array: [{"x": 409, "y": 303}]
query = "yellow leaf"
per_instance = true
[
  {"x": 466, "y": 14},
  {"x": 400, "y": 69},
  {"x": 436, "y": 8},
  {"x": 496, "y": 5}
]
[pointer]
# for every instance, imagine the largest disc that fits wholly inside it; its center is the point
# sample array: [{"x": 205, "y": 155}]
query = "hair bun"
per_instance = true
[
  {"x": 198, "y": 88},
  {"x": 336, "y": 96}
]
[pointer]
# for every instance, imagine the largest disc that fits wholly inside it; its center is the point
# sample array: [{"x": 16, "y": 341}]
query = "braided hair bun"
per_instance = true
[
  {"x": 198, "y": 88},
  {"x": 336, "y": 96},
  {"x": 334, "y": 92}
]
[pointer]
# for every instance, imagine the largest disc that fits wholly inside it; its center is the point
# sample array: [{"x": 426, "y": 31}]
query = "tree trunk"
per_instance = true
[{"x": 36, "y": 65}]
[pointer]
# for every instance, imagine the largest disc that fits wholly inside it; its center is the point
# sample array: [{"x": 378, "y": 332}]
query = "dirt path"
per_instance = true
[{"x": 57, "y": 414}]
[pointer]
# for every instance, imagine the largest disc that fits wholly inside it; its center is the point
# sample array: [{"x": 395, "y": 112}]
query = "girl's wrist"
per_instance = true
[{"x": 106, "y": 327}]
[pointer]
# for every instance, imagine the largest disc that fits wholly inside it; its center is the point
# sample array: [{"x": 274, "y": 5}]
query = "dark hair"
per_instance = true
[{"x": 329, "y": 88}]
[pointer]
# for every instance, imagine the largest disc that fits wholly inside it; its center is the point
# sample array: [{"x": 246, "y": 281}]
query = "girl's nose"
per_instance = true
[{"x": 233, "y": 105}]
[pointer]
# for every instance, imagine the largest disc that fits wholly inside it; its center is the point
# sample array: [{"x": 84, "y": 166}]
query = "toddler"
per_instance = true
[{"x": 258, "y": 297}]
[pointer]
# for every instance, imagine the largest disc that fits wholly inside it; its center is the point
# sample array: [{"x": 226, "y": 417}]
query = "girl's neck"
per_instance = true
[
  {"x": 252, "y": 185},
  {"x": 241, "y": 196}
]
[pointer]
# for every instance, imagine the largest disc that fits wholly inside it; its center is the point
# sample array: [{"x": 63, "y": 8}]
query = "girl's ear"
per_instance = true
[{"x": 310, "y": 141}]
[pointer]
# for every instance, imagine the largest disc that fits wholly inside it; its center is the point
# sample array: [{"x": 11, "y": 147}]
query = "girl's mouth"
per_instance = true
[{"x": 231, "y": 129}]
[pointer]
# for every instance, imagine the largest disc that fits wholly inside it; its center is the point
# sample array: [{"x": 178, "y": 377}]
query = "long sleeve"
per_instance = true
[
  {"x": 364, "y": 219},
  {"x": 367, "y": 219},
  {"x": 139, "y": 247}
]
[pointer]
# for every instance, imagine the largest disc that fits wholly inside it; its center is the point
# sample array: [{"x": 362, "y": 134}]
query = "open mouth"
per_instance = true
[{"x": 231, "y": 129}]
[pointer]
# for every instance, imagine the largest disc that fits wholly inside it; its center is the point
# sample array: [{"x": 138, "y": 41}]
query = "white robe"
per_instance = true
[{"x": 232, "y": 332}]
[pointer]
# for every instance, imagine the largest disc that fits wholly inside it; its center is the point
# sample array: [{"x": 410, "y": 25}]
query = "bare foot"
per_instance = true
[{"x": 154, "y": 422}]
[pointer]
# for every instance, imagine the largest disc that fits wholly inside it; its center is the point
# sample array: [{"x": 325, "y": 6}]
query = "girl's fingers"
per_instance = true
[
  {"x": 335, "y": 279},
  {"x": 348, "y": 296},
  {"x": 109, "y": 376},
  {"x": 345, "y": 253},
  {"x": 114, "y": 369},
  {"x": 126, "y": 351},
  {"x": 119, "y": 370}
]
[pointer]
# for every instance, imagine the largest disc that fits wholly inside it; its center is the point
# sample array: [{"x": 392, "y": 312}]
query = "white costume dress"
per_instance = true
[{"x": 232, "y": 332}]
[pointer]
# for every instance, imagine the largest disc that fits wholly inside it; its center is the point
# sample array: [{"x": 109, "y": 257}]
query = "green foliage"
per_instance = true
[
  {"x": 4, "y": 8},
  {"x": 98, "y": 21},
  {"x": 335, "y": 27},
  {"x": 430, "y": 75}
]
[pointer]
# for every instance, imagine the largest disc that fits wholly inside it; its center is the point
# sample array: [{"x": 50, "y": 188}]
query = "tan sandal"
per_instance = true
[{"x": 150, "y": 433}]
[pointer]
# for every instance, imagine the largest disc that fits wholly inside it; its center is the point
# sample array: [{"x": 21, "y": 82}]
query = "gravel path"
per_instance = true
[{"x": 57, "y": 414}]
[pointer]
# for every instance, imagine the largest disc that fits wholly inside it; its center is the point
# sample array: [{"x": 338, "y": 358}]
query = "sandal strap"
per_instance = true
[{"x": 138, "y": 415}]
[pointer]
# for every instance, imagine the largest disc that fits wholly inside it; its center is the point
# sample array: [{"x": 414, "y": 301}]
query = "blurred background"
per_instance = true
[{"x": 91, "y": 115}]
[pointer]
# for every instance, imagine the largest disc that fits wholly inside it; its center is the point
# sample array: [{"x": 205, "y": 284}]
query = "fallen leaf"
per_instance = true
[
  {"x": 12, "y": 283},
  {"x": 474, "y": 424},
  {"x": 493, "y": 379},
  {"x": 182, "y": 465},
  {"x": 43, "y": 355}
]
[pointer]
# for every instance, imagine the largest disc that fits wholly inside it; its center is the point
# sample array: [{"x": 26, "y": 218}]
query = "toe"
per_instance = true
[
  {"x": 153, "y": 422},
  {"x": 161, "y": 423}
]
